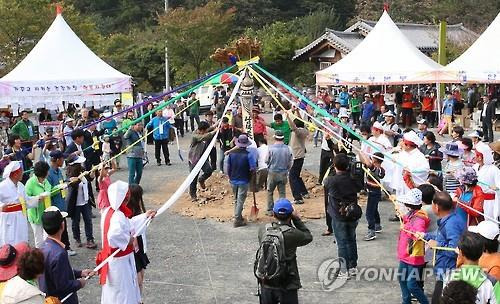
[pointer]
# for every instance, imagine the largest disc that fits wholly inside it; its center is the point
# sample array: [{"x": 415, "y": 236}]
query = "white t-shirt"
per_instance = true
[
  {"x": 389, "y": 99},
  {"x": 82, "y": 197},
  {"x": 263, "y": 153}
]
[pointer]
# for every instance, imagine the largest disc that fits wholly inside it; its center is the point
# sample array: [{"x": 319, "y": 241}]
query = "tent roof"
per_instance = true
[
  {"x": 480, "y": 63},
  {"x": 385, "y": 56},
  {"x": 61, "y": 55}
]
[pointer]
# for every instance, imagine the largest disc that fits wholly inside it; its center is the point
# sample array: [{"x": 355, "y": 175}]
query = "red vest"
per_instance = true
[{"x": 106, "y": 250}]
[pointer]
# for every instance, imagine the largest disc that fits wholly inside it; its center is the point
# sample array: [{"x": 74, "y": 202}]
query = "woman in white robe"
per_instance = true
[
  {"x": 13, "y": 221},
  {"x": 121, "y": 282},
  {"x": 488, "y": 176}
]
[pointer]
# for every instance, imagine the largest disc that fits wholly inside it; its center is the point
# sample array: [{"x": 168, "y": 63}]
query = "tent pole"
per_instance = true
[{"x": 442, "y": 61}]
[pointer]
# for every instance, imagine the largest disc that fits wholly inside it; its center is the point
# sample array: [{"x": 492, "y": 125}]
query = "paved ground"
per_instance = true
[{"x": 203, "y": 261}]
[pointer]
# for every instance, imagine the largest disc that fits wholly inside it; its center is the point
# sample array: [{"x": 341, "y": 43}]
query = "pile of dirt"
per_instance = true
[{"x": 217, "y": 201}]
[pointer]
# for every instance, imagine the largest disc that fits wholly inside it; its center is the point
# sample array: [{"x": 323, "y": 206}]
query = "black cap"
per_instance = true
[
  {"x": 49, "y": 130},
  {"x": 56, "y": 154},
  {"x": 52, "y": 220}
]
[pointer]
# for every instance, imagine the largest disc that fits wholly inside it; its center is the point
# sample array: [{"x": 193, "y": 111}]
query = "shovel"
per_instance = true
[{"x": 254, "y": 211}]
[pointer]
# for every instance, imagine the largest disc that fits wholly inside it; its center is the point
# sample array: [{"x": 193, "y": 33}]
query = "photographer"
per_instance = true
[{"x": 345, "y": 212}]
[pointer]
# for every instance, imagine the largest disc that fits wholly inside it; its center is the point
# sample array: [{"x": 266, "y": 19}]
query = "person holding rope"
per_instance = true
[
  {"x": 119, "y": 276},
  {"x": 413, "y": 168},
  {"x": 411, "y": 250},
  {"x": 450, "y": 228},
  {"x": 489, "y": 176},
  {"x": 13, "y": 205},
  {"x": 135, "y": 154},
  {"x": 59, "y": 277}
]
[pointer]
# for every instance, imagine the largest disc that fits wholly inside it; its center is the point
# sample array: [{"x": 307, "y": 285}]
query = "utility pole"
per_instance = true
[{"x": 167, "y": 76}]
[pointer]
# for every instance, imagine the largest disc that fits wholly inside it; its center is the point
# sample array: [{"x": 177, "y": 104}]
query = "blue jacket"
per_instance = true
[
  {"x": 59, "y": 279},
  {"x": 162, "y": 132},
  {"x": 450, "y": 228},
  {"x": 55, "y": 177},
  {"x": 239, "y": 165},
  {"x": 368, "y": 111},
  {"x": 344, "y": 99}
]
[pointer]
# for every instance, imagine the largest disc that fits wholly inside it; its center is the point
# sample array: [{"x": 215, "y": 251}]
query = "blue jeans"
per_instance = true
[
  {"x": 134, "y": 170},
  {"x": 86, "y": 212},
  {"x": 372, "y": 215},
  {"x": 409, "y": 277},
  {"x": 345, "y": 234},
  {"x": 240, "y": 195}
]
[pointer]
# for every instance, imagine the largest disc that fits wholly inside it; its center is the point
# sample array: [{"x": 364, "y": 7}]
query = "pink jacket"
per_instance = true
[{"x": 410, "y": 249}]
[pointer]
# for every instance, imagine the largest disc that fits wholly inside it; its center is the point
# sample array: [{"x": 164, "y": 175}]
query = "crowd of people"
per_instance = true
[{"x": 444, "y": 194}]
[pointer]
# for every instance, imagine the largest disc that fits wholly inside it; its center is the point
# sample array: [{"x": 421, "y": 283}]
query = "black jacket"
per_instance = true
[
  {"x": 298, "y": 236},
  {"x": 490, "y": 112},
  {"x": 341, "y": 188},
  {"x": 73, "y": 195}
]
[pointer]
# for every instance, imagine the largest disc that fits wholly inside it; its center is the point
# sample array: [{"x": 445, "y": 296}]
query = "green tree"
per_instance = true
[
  {"x": 24, "y": 23},
  {"x": 140, "y": 54},
  {"x": 313, "y": 25},
  {"x": 279, "y": 42},
  {"x": 194, "y": 34}
]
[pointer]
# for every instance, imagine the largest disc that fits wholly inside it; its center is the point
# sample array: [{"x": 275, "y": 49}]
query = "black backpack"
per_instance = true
[{"x": 270, "y": 260}]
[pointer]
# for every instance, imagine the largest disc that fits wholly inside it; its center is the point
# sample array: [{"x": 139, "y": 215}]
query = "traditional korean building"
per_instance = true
[{"x": 333, "y": 45}]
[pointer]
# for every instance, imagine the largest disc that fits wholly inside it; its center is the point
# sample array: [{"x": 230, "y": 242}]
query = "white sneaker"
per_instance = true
[
  {"x": 343, "y": 275},
  {"x": 353, "y": 272},
  {"x": 71, "y": 252}
]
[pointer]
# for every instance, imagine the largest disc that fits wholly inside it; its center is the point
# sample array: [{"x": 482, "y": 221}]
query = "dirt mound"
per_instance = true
[{"x": 217, "y": 200}]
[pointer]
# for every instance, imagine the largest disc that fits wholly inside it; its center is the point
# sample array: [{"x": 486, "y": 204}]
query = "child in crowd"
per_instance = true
[
  {"x": 458, "y": 292},
  {"x": 411, "y": 248},
  {"x": 104, "y": 181},
  {"x": 106, "y": 148},
  {"x": 469, "y": 194},
  {"x": 373, "y": 181},
  {"x": 428, "y": 192},
  {"x": 136, "y": 205},
  {"x": 453, "y": 165}
]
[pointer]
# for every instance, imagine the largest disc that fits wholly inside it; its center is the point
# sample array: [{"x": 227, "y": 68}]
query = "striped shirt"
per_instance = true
[{"x": 450, "y": 182}]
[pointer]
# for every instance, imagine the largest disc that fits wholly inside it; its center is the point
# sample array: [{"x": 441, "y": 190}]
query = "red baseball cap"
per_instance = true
[{"x": 9, "y": 255}]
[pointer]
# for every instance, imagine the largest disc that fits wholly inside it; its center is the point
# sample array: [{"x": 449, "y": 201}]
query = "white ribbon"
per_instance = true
[{"x": 183, "y": 187}]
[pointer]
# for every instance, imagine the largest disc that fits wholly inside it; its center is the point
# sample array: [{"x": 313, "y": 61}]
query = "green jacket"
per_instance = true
[
  {"x": 194, "y": 109},
  {"x": 296, "y": 237},
  {"x": 488, "y": 289},
  {"x": 34, "y": 188},
  {"x": 355, "y": 104},
  {"x": 22, "y": 129}
]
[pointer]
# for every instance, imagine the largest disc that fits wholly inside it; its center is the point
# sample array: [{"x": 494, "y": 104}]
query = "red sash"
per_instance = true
[
  {"x": 106, "y": 250},
  {"x": 12, "y": 208},
  {"x": 489, "y": 196}
]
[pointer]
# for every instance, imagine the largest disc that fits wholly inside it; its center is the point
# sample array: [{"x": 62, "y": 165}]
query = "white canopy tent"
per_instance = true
[
  {"x": 61, "y": 68},
  {"x": 480, "y": 63},
  {"x": 384, "y": 57}
]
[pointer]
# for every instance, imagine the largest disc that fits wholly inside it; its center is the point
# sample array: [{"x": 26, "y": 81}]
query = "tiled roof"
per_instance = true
[
  {"x": 344, "y": 41},
  {"x": 423, "y": 36}
]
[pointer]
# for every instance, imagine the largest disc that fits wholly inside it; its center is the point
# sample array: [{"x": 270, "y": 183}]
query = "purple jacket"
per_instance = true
[{"x": 59, "y": 279}]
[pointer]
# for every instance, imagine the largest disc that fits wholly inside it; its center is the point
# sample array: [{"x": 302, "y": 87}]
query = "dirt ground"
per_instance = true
[{"x": 217, "y": 200}]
